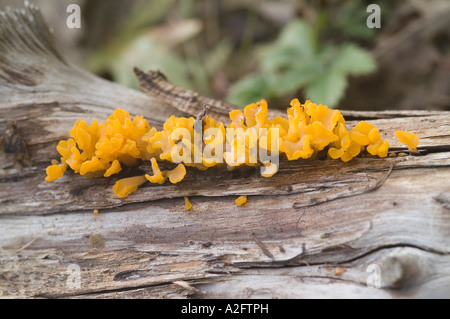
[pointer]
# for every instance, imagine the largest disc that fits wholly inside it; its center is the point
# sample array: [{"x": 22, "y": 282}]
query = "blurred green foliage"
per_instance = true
[
  {"x": 227, "y": 49},
  {"x": 144, "y": 39},
  {"x": 351, "y": 20},
  {"x": 297, "y": 60},
  {"x": 134, "y": 45}
]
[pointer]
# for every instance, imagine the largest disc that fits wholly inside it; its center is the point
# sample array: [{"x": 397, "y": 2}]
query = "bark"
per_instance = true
[{"x": 318, "y": 228}]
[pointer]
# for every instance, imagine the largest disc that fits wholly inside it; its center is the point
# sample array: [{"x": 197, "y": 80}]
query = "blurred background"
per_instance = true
[{"x": 245, "y": 50}]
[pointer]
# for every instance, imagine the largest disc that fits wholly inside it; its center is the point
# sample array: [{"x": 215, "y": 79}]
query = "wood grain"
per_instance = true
[{"x": 288, "y": 241}]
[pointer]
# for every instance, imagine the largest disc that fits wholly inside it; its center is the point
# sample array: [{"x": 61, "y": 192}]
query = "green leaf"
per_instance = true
[
  {"x": 298, "y": 76},
  {"x": 249, "y": 90},
  {"x": 327, "y": 89},
  {"x": 296, "y": 42},
  {"x": 353, "y": 60},
  {"x": 300, "y": 35},
  {"x": 275, "y": 58}
]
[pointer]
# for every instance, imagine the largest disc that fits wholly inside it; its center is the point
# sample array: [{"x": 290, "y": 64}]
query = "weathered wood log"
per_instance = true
[{"x": 319, "y": 228}]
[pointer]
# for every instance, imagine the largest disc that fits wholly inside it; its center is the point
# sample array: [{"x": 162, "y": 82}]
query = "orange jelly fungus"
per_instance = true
[
  {"x": 187, "y": 203},
  {"x": 55, "y": 171},
  {"x": 158, "y": 176},
  {"x": 95, "y": 213},
  {"x": 177, "y": 174},
  {"x": 103, "y": 148},
  {"x": 241, "y": 200},
  {"x": 125, "y": 186},
  {"x": 409, "y": 139}
]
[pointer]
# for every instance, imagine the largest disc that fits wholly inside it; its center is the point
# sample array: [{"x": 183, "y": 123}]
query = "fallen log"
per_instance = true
[{"x": 375, "y": 228}]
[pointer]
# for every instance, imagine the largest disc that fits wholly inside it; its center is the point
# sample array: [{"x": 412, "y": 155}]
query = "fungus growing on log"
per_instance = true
[{"x": 102, "y": 148}]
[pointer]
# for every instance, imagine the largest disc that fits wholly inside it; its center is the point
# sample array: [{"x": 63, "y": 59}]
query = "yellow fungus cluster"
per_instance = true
[
  {"x": 350, "y": 144},
  {"x": 101, "y": 149}
]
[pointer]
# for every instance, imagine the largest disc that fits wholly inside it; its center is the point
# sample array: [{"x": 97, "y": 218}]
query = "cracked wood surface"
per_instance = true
[{"x": 318, "y": 228}]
